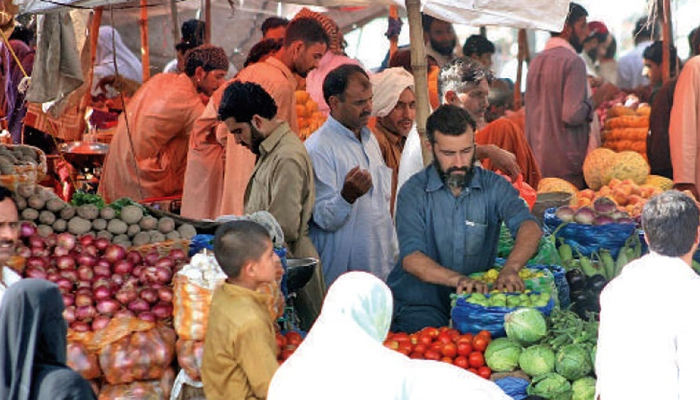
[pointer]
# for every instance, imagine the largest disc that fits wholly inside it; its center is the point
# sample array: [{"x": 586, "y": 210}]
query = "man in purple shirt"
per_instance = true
[{"x": 559, "y": 105}]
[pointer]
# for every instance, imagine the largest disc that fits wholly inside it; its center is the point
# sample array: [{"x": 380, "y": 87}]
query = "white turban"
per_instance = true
[{"x": 387, "y": 87}]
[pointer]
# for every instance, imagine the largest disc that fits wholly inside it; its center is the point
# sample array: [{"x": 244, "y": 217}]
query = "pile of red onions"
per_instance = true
[{"x": 100, "y": 280}]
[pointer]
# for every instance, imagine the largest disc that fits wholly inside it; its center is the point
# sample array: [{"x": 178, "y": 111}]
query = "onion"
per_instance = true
[
  {"x": 108, "y": 307},
  {"x": 138, "y": 271},
  {"x": 53, "y": 276},
  {"x": 60, "y": 251},
  {"x": 86, "y": 240},
  {"x": 80, "y": 326},
  {"x": 565, "y": 213},
  {"x": 162, "y": 310},
  {"x": 126, "y": 295},
  {"x": 114, "y": 253},
  {"x": 27, "y": 229},
  {"x": 124, "y": 313},
  {"x": 24, "y": 251},
  {"x": 36, "y": 262},
  {"x": 84, "y": 285},
  {"x": 101, "y": 243},
  {"x": 51, "y": 240},
  {"x": 101, "y": 270},
  {"x": 138, "y": 305},
  {"x": 35, "y": 273},
  {"x": 165, "y": 262},
  {"x": 66, "y": 241},
  {"x": 100, "y": 322},
  {"x": 150, "y": 295},
  {"x": 66, "y": 262},
  {"x": 68, "y": 300},
  {"x": 102, "y": 293},
  {"x": 149, "y": 274},
  {"x": 156, "y": 285},
  {"x": 83, "y": 298},
  {"x": 86, "y": 259},
  {"x": 118, "y": 279},
  {"x": 603, "y": 220},
  {"x": 165, "y": 294},
  {"x": 85, "y": 313},
  {"x": 39, "y": 252},
  {"x": 69, "y": 314},
  {"x": 147, "y": 316},
  {"x": 604, "y": 205},
  {"x": 151, "y": 258},
  {"x": 36, "y": 242},
  {"x": 134, "y": 256},
  {"x": 70, "y": 274},
  {"x": 103, "y": 262},
  {"x": 624, "y": 220},
  {"x": 123, "y": 267},
  {"x": 163, "y": 275},
  {"x": 91, "y": 250},
  {"x": 584, "y": 215},
  {"x": 178, "y": 255},
  {"x": 64, "y": 284}
]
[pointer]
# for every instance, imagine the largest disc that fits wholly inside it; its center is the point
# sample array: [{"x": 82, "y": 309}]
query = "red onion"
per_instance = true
[
  {"x": 101, "y": 270},
  {"x": 103, "y": 262},
  {"x": 147, "y": 316},
  {"x": 53, "y": 277},
  {"x": 36, "y": 262},
  {"x": 91, "y": 250},
  {"x": 114, "y": 253},
  {"x": 132, "y": 280},
  {"x": 108, "y": 307},
  {"x": 165, "y": 294},
  {"x": 134, "y": 256},
  {"x": 118, "y": 279},
  {"x": 163, "y": 275},
  {"x": 162, "y": 310},
  {"x": 69, "y": 314},
  {"x": 123, "y": 267},
  {"x": 124, "y": 313},
  {"x": 68, "y": 300},
  {"x": 60, "y": 251},
  {"x": 150, "y": 295},
  {"x": 102, "y": 281},
  {"x": 66, "y": 262},
  {"x": 86, "y": 259},
  {"x": 84, "y": 285},
  {"x": 35, "y": 273},
  {"x": 138, "y": 305},
  {"x": 36, "y": 242},
  {"x": 177, "y": 255},
  {"x": 83, "y": 298},
  {"x": 51, "y": 240},
  {"x": 151, "y": 258},
  {"x": 40, "y": 252},
  {"x": 85, "y": 313},
  {"x": 80, "y": 326},
  {"x": 66, "y": 241},
  {"x": 85, "y": 273},
  {"x": 27, "y": 229},
  {"x": 138, "y": 271},
  {"x": 156, "y": 285},
  {"x": 165, "y": 262},
  {"x": 126, "y": 295},
  {"x": 101, "y": 243},
  {"x": 24, "y": 252},
  {"x": 86, "y": 240},
  {"x": 70, "y": 274},
  {"x": 100, "y": 322},
  {"x": 149, "y": 274},
  {"x": 102, "y": 293},
  {"x": 64, "y": 284}
]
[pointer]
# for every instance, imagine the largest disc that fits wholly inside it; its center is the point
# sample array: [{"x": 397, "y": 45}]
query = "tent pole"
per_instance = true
[
  {"x": 522, "y": 53},
  {"x": 394, "y": 40},
  {"x": 667, "y": 41},
  {"x": 145, "y": 48},
  {"x": 420, "y": 72},
  {"x": 175, "y": 22},
  {"x": 207, "y": 21}
]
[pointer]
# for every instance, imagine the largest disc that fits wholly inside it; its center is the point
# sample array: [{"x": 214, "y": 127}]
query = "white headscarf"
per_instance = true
[
  {"x": 387, "y": 87},
  {"x": 129, "y": 66},
  {"x": 343, "y": 356}
]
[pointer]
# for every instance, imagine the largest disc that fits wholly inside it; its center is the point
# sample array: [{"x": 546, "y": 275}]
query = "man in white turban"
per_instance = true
[{"x": 394, "y": 105}]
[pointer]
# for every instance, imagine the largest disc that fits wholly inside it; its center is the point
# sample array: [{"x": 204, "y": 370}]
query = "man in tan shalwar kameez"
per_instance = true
[
  {"x": 148, "y": 152},
  {"x": 684, "y": 129}
]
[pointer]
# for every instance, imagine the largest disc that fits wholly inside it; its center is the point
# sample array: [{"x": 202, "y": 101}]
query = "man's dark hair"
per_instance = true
[
  {"x": 576, "y": 12},
  {"x": 22, "y": 33},
  {"x": 449, "y": 120},
  {"x": 477, "y": 44},
  {"x": 207, "y": 56},
  {"x": 272, "y": 23},
  {"x": 237, "y": 243},
  {"x": 261, "y": 49},
  {"x": 460, "y": 74},
  {"x": 612, "y": 49},
  {"x": 670, "y": 222},
  {"x": 655, "y": 53},
  {"x": 694, "y": 41},
  {"x": 5, "y": 193},
  {"x": 192, "y": 32},
  {"x": 427, "y": 22},
  {"x": 242, "y": 100},
  {"x": 336, "y": 81},
  {"x": 643, "y": 29},
  {"x": 307, "y": 30}
]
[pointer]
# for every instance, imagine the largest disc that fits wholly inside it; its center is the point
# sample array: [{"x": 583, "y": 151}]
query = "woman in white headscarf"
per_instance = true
[
  {"x": 127, "y": 64},
  {"x": 343, "y": 356}
]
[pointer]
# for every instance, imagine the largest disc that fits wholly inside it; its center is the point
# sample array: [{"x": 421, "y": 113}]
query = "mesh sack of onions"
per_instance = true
[
  {"x": 189, "y": 357},
  {"x": 158, "y": 389}
]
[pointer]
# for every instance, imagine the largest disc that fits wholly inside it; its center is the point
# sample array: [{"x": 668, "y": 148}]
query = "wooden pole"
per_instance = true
[
  {"x": 207, "y": 21},
  {"x": 420, "y": 72},
  {"x": 175, "y": 22},
  {"x": 522, "y": 56},
  {"x": 394, "y": 40},
  {"x": 667, "y": 42},
  {"x": 145, "y": 48}
]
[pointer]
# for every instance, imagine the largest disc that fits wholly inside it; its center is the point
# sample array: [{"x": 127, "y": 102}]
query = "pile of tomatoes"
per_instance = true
[
  {"x": 446, "y": 345},
  {"x": 287, "y": 344}
]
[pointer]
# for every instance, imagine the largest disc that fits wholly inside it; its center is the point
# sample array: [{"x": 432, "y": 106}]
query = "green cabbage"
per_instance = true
[
  {"x": 526, "y": 326},
  {"x": 551, "y": 386},
  {"x": 537, "y": 360},
  {"x": 502, "y": 355},
  {"x": 573, "y": 362},
  {"x": 583, "y": 389}
]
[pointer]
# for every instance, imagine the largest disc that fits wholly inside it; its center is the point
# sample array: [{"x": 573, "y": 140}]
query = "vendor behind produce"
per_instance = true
[
  {"x": 9, "y": 234},
  {"x": 448, "y": 219}
]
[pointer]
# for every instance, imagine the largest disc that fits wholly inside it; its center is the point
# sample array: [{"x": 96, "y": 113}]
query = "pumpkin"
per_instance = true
[
  {"x": 660, "y": 182},
  {"x": 595, "y": 165},
  {"x": 547, "y": 185},
  {"x": 627, "y": 165}
]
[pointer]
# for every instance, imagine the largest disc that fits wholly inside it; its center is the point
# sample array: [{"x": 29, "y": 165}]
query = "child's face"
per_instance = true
[{"x": 269, "y": 267}]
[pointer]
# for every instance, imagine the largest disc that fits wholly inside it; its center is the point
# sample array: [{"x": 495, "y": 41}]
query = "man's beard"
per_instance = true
[
  {"x": 256, "y": 138},
  {"x": 444, "y": 50},
  {"x": 575, "y": 43},
  {"x": 455, "y": 177}
]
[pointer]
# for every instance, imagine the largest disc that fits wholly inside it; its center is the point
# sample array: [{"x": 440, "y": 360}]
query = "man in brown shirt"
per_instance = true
[
  {"x": 282, "y": 182},
  {"x": 394, "y": 105}
]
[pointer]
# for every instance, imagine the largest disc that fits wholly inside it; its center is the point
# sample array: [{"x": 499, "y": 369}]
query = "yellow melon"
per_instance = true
[
  {"x": 595, "y": 165},
  {"x": 547, "y": 185},
  {"x": 660, "y": 182},
  {"x": 627, "y": 165}
]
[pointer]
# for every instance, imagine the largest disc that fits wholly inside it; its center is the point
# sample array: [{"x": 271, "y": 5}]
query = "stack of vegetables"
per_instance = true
[
  {"x": 308, "y": 116},
  {"x": 627, "y": 128},
  {"x": 560, "y": 360}
]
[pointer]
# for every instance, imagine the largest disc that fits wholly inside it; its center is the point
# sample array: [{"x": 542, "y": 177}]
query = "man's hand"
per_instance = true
[
  {"x": 509, "y": 281},
  {"x": 682, "y": 187},
  {"x": 467, "y": 285},
  {"x": 357, "y": 183},
  {"x": 501, "y": 159}
]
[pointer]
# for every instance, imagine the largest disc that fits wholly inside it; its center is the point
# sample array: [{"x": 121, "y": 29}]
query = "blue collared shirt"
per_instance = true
[
  {"x": 460, "y": 233},
  {"x": 350, "y": 237}
]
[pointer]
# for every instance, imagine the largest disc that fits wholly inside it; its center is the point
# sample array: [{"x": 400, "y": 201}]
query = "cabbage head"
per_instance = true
[
  {"x": 526, "y": 326},
  {"x": 583, "y": 389},
  {"x": 502, "y": 355},
  {"x": 537, "y": 360},
  {"x": 573, "y": 362},
  {"x": 551, "y": 386}
]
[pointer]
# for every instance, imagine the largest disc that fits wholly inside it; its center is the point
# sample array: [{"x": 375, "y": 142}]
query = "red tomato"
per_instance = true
[
  {"x": 480, "y": 343},
  {"x": 281, "y": 340},
  {"x": 414, "y": 338},
  {"x": 420, "y": 348},
  {"x": 436, "y": 346},
  {"x": 287, "y": 351},
  {"x": 473, "y": 371},
  {"x": 448, "y": 360},
  {"x": 476, "y": 359},
  {"x": 453, "y": 333},
  {"x": 416, "y": 356},
  {"x": 484, "y": 372},
  {"x": 449, "y": 350},
  {"x": 431, "y": 355},
  {"x": 401, "y": 337},
  {"x": 462, "y": 362},
  {"x": 445, "y": 338},
  {"x": 406, "y": 347},
  {"x": 466, "y": 338},
  {"x": 463, "y": 348},
  {"x": 391, "y": 344},
  {"x": 443, "y": 329},
  {"x": 485, "y": 334},
  {"x": 425, "y": 339},
  {"x": 293, "y": 338},
  {"x": 432, "y": 332}
]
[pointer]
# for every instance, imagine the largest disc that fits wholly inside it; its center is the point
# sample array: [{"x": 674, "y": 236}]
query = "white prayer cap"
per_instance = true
[{"x": 387, "y": 87}]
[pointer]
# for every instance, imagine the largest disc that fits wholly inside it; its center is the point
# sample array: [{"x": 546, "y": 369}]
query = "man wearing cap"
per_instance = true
[{"x": 148, "y": 152}]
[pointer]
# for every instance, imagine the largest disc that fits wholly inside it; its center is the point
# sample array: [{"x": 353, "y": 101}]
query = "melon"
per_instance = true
[
  {"x": 660, "y": 182},
  {"x": 627, "y": 165},
  {"x": 547, "y": 185},
  {"x": 595, "y": 165}
]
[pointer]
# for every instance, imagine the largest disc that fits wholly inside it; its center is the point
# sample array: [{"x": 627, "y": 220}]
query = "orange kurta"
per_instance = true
[
  {"x": 506, "y": 135},
  {"x": 161, "y": 116}
]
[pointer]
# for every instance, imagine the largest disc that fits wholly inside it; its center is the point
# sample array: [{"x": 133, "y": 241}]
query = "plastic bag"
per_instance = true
[
  {"x": 139, "y": 356},
  {"x": 158, "y": 389},
  {"x": 546, "y": 250},
  {"x": 526, "y": 191},
  {"x": 513, "y": 387},
  {"x": 189, "y": 357},
  {"x": 82, "y": 361},
  {"x": 562, "y": 286},
  {"x": 473, "y": 318},
  {"x": 588, "y": 239}
]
